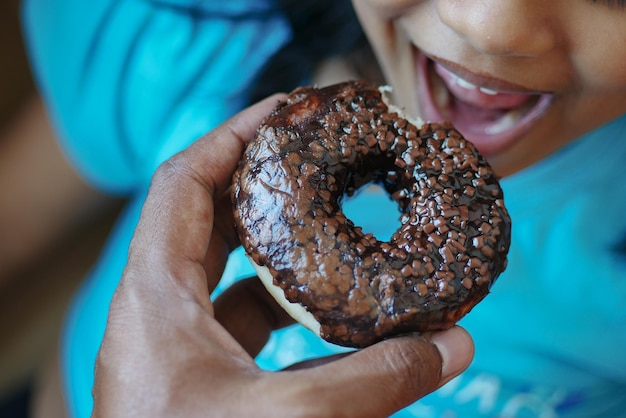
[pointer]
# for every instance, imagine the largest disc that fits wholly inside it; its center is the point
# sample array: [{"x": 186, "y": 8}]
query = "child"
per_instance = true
[{"x": 539, "y": 87}]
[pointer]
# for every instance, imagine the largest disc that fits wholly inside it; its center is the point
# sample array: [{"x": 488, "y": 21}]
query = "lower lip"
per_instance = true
[{"x": 489, "y": 144}]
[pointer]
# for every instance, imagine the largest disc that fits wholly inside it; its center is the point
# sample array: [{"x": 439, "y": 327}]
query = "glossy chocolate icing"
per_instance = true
[{"x": 323, "y": 144}]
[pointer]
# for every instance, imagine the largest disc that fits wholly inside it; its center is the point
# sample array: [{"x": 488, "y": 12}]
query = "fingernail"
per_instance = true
[{"x": 457, "y": 350}]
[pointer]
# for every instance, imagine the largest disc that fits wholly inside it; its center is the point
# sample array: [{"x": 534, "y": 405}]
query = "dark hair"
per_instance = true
[{"x": 321, "y": 29}]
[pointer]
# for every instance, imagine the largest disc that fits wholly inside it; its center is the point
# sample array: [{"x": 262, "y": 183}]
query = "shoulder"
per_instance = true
[{"x": 130, "y": 83}]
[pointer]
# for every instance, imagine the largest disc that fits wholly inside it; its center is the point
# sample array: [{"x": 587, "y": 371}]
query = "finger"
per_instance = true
[
  {"x": 223, "y": 241},
  {"x": 215, "y": 156},
  {"x": 316, "y": 362},
  {"x": 249, "y": 313},
  {"x": 385, "y": 377},
  {"x": 172, "y": 237}
]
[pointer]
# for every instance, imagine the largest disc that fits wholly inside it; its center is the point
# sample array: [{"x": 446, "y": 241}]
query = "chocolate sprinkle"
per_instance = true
[{"x": 323, "y": 144}]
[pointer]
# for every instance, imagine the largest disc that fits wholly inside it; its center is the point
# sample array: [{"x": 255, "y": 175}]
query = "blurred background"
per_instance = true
[
  {"x": 15, "y": 81},
  {"x": 43, "y": 257}
]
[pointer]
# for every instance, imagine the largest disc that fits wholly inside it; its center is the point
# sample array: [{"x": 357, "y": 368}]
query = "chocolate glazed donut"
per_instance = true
[{"x": 323, "y": 144}]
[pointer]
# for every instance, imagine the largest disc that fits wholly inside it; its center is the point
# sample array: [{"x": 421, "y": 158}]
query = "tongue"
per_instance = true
[
  {"x": 475, "y": 120},
  {"x": 475, "y": 97}
]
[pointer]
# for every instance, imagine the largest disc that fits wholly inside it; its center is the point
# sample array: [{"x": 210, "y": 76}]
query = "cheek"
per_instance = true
[
  {"x": 602, "y": 72},
  {"x": 597, "y": 47},
  {"x": 600, "y": 59}
]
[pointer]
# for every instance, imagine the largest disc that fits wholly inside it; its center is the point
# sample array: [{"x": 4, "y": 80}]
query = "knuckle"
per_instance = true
[
  {"x": 418, "y": 362},
  {"x": 168, "y": 170}
]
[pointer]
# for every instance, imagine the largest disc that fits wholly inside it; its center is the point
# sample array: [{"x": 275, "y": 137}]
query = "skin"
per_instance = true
[
  {"x": 190, "y": 357},
  {"x": 573, "y": 50}
]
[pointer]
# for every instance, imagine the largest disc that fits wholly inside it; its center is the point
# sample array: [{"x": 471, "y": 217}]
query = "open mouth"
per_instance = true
[{"x": 489, "y": 113}]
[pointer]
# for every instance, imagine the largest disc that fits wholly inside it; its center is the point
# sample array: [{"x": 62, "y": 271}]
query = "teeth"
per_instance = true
[
  {"x": 469, "y": 86},
  {"x": 488, "y": 91},
  {"x": 505, "y": 122},
  {"x": 465, "y": 84}
]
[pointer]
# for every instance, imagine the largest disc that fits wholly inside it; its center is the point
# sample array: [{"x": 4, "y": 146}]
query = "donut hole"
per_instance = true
[{"x": 372, "y": 209}]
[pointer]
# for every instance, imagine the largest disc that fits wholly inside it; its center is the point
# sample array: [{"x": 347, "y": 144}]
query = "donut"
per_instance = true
[{"x": 322, "y": 145}]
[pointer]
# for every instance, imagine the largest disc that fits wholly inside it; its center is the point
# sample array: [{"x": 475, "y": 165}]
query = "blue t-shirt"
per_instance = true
[
  {"x": 550, "y": 339},
  {"x": 130, "y": 83}
]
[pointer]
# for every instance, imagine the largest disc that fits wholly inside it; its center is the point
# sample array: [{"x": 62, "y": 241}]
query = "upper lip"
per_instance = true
[{"x": 481, "y": 79}]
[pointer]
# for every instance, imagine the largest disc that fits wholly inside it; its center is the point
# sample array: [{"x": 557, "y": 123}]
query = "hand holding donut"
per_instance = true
[{"x": 165, "y": 353}]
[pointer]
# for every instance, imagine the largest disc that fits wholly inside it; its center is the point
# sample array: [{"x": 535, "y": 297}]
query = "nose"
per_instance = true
[{"x": 501, "y": 27}]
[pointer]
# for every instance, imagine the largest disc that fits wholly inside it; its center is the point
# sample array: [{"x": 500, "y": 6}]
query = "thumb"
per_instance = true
[{"x": 392, "y": 374}]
